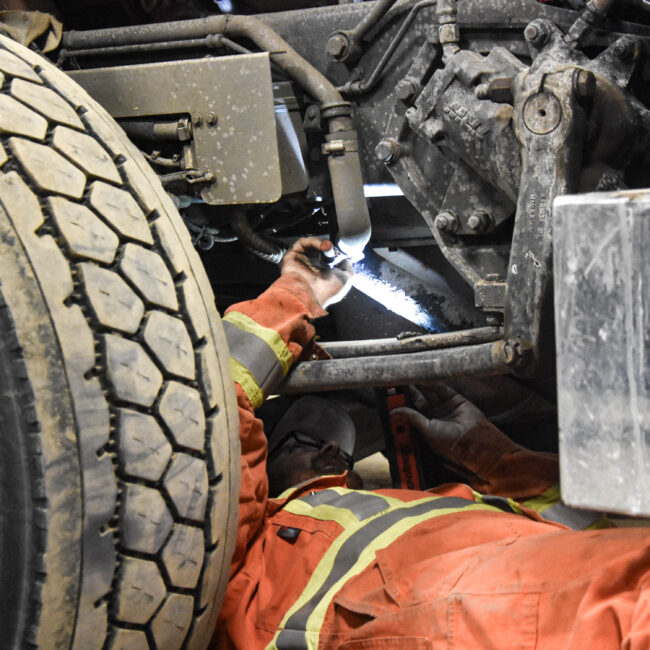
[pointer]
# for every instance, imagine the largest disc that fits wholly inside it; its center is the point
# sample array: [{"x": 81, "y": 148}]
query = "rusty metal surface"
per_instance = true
[
  {"x": 240, "y": 148},
  {"x": 369, "y": 347},
  {"x": 602, "y": 312},
  {"x": 398, "y": 369}
]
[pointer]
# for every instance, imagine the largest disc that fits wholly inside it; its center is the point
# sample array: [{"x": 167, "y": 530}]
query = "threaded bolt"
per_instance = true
[
  {"x": 536, "y": 33},
  {"x": 479, "y": 221},
  {"x": 446, "y": 221}
]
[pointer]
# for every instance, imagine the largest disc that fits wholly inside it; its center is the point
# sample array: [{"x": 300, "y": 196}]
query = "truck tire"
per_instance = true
[{"x": 120, "y": 462}]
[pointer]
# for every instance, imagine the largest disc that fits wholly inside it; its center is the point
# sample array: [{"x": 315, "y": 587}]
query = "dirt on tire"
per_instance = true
[{"x": 126, "y": 433}]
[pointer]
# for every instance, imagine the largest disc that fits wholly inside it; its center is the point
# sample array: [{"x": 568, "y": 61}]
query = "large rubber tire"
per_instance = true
[{"x": 119, "y": 464}]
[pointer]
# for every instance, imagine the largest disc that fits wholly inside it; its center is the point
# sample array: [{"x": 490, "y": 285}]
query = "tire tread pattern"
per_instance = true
[{"x": 140, "y": 342}]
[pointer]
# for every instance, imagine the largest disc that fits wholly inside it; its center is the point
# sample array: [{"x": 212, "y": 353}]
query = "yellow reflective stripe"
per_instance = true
[
  {"x": 241, "y": 375},
  {"x": 479, "y": 498},
  {"x": 269, "y": 336},
  {"x": 367, "y": 556},
  {"x": 352, "y": 526},
  {"x": 343, "y": 516},
  {"x": 544, "y": 501}
]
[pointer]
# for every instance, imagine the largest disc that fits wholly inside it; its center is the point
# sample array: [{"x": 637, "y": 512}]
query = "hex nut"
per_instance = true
[
  {"x": 211, "y": 119},
  {"x": 197, "y": 119},
  {"x": 446, "y": 221},
  {"x": 537, "y": 33},
  {"x": 479, "y": 221},
  {"x": 387, "y": 151}
]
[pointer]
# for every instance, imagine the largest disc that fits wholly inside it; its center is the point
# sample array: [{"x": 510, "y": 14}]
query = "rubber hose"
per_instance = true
[{"x": 256, "y": 244}]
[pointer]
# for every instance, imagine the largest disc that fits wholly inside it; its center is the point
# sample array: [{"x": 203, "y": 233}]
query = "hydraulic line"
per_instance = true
[{"x": 354, "y": 88}]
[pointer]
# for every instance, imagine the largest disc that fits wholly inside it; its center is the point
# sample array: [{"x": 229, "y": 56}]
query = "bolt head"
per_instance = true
[
  {"x": 406, "y": 90},
  {"x": 197, "y": 119},
  {"x": 337, "y": 46},
  {"x": 387, "y": 151},
  {"x": 211, "y": 119}
]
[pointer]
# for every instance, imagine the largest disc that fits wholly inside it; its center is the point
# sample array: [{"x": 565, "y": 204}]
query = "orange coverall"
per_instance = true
[{"x": 470, "y": 577}]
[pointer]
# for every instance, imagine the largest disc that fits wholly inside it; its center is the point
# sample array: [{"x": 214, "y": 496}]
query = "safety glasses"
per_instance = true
[{"x": 308, "y": 441}]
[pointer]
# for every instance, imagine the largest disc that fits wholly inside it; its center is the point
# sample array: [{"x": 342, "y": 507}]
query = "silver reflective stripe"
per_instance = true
[
  {"x": 293, "y": 636},
  {"x": 358, "y": 503},
  {"x": 255, "y": 355},
  {"x": 498, "y": 502},
  {"x": 576, "y": 519}
]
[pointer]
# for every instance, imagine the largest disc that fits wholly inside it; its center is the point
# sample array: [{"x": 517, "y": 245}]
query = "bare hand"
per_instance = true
[
  {"x": 442, "y": 417},
  {"x": 330, "y": 285}
]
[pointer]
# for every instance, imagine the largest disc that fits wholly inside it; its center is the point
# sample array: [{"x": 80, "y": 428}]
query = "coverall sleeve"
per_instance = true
[{"x": 265, "y": 336}]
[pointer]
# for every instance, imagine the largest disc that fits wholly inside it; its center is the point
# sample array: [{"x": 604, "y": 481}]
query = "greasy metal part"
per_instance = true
[
  {"x": 448, "y": 32},
  {"x": 189, "y": 176},
  {"x": 180, "y": 129},
  {"x": 345, "y": 167},
  {"x": 448, "y": 113},
  {"x": 398, "y": 369},
  {"x": 121, "y": 50},
  {"x": 371, "y": 347},
  {"x": 256, "y": 244},
  {"x": 355, "y": 87},
  {"x": 551, "y": 135},
  {"x": 345, "y": 45},
  {"x": 233, "y": 129},
  {"x": 593, "y": 12},
  {"x": 446, "y": 221},
  {"x": 602, "y": 315}
]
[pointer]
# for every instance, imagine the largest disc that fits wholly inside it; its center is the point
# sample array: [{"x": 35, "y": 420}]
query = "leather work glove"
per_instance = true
[
  {"x": 442, "y": 418},
  {"x": 329, "y": 285}
]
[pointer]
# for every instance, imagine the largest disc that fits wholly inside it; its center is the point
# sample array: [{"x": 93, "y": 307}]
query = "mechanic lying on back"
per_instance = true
[{"x": 327, "y": 566}]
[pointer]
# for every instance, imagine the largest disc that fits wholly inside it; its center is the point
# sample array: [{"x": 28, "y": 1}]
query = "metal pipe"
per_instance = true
[
  {"x": 347, "y": 184},
  {"x": 212, "y": 41},
  {"x": 419, "y": 343},
  {"x": 371, "y": 19},
  {"x": 149, "y": 130},
  {"x": 397, "y": 370},
  {"x": 361, "y": 87},
  {"x": 262, "y": 35},
  {"x": 134, "y": 49}
]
